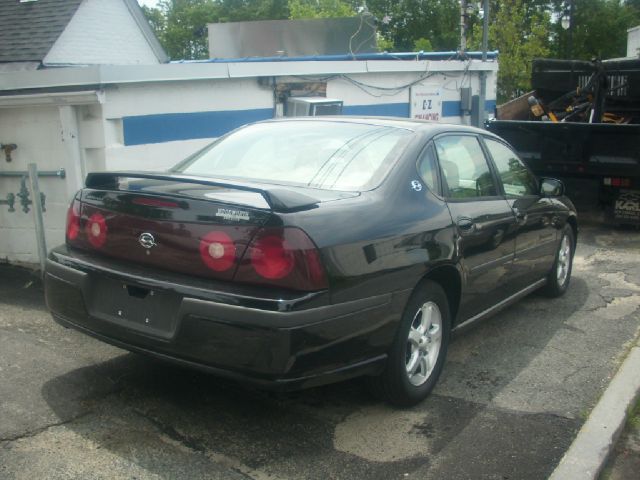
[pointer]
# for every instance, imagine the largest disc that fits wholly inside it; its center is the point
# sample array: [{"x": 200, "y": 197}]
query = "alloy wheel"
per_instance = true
[
  {"x": 564, "y": 260},
  {"x": 423, "y": 343}
]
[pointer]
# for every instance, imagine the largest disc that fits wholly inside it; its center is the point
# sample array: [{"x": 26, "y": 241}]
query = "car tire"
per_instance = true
[
  {"x": 559, "y": 276},
  {"x": 420, "y": 347}
]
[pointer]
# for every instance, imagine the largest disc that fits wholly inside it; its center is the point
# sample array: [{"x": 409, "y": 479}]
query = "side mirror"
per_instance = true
[{"x": 551, "y": 187}]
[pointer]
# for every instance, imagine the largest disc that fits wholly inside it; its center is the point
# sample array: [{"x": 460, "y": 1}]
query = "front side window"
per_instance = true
[
  {"x": 464, "y": 167},
  {"x": 517, "y": 180},
  {"x": 329, "y": 155}
]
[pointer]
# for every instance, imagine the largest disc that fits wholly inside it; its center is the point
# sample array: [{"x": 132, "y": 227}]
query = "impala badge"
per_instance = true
[
  {"x": 147, "y": 240},
  {"x": 232, "y": 215}
]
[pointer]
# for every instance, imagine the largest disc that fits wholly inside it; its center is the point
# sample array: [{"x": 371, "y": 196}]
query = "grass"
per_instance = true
[{"x": 634, "y": 416}]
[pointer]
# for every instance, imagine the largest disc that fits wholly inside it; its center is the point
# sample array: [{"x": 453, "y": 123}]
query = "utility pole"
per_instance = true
[
  {"x": 567, "y": 24},
  {"x": 463, "y": 26},
  {"x": 571, "y": 12},
  {"x": 483, "y": 73}
]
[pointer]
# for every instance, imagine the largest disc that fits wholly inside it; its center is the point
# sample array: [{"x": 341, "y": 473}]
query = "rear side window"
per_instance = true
[
  {"x": 319, "y": 154},
  {"x": 516, "y": 179},
  {"x": 428, "y": 169},
  {"x": 464, "y": 167}
]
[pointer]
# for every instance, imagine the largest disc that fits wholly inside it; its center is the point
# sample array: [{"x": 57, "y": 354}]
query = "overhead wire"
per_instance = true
[
  {"x": 372, "y": 90},
  {"x": 372, "y": 35}
]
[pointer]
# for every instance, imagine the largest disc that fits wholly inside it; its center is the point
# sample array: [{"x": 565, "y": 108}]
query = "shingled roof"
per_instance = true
[{"x": 28, "y": 30}]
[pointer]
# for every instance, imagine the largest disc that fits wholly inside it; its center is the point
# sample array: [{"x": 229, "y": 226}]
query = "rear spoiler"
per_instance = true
[{"x": 279, "y": 199}]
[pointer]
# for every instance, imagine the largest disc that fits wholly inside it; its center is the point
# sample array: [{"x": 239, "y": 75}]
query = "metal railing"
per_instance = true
[
  {"x": 61, "y": 173},
  {"x": 26, "y": 196}
]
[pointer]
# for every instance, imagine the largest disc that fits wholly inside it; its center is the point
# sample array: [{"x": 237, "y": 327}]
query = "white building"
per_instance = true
[
  {"x": 633, "y": 42},
  {"x": 149, "y": 117},
  {"x": 52, "y": 33}
]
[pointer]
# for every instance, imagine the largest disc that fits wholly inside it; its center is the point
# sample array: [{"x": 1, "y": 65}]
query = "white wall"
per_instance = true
[
  {"x": 37, "y": 133},
  {"x": 153, "y": 156},
  {"x": 633, "y": 42},
  {"x": 244, "y": 94},
  {"x": 448, "y": 82},
  {"x": 101, "y": 32},
  {"x": 187, "y": 96},
  {"x": 167, "y": 98}
]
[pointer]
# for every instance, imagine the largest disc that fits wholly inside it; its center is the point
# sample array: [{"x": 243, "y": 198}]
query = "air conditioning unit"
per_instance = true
[{"x": 312, "y": 106}]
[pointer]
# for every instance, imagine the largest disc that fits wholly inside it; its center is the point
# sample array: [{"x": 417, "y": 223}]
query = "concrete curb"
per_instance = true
[{"x": 590, "y": 450}]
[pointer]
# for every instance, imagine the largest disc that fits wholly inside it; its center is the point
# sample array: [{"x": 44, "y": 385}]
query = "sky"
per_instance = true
[{"x": 148, "y": 3}]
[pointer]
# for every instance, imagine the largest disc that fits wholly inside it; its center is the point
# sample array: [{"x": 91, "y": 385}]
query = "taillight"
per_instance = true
[
  {"x": 73, "y": 220},
  {"x": 217, "y": 250},
  {"x": 96, "y": 230},
  {"x": 155, "y": 202},
  {"x": 283, "y": 257},
  {"x": 616, "y": 182},
  {"x": 272, "y": 257}
]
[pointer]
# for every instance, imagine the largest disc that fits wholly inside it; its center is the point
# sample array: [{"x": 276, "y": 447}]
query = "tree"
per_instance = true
[
  {"x": 403, "y": 22},
  {"x": 247, "y": 10},
  {"x": 155, "y": 18},
  {"x": 320, "y": 9},
  {"x": 422, "y": 45},
  {"x": 599, "y": 28},
  {"x": 181, "y": 25},
  {"x": 520, "y": 33}
]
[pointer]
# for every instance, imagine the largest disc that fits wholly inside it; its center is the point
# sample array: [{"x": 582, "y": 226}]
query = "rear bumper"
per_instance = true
[{"x": 263, "y": 341}]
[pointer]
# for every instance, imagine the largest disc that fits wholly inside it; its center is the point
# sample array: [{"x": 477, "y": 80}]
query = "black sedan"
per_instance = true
[{"x": 292, "y": 253}]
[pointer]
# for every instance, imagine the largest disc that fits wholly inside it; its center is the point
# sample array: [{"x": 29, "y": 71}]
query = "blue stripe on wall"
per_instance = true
[
  {"x": 381, "y": 109},
  {"x": 168, "y": 127},
  {"x": 451, "y": 108}
]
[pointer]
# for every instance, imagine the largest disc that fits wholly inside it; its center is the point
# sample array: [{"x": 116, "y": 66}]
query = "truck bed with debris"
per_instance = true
[{"x": 581, "y": 123}]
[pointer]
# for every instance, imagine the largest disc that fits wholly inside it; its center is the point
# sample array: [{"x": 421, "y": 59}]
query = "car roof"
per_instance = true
[{"x": 406, "y": 123}]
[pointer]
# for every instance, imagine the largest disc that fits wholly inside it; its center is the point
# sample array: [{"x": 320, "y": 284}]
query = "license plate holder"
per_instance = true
[{"x": 152, "y": 311}]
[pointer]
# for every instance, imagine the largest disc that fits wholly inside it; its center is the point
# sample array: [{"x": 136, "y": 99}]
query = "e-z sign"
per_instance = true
[{"x": 426, "y": 102}]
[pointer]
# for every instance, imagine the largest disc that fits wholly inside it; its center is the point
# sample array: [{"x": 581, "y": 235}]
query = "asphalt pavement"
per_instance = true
[{"x": 514, "y": 392}]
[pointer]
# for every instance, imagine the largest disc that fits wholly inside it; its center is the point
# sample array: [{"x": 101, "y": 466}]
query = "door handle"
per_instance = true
[{"x": 466, "y": 225}]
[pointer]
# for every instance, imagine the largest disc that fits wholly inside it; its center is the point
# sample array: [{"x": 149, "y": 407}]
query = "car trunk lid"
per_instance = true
[{"x": 192, "y": 225}]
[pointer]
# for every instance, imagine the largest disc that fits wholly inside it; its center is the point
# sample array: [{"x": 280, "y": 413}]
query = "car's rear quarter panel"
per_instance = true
[{"x": 383, "y": 241}]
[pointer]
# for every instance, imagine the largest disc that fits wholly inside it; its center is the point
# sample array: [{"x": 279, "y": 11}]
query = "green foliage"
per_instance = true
[
  {"x": 384, "y": 44},
  {"x": 247, "y": 10},
  {"x": 599, "y": 29},
  {"x": 183, "y": 33},
  {"x": 320, "y": 9},
  {"x": 181, "y": 25},
  {"x": 422, "y": 45},
  {"x": 634, "y": 416},
  {"x": 155, "y": 18},
  {"x": 520, "y": 32},
  {"x": 406, "y": 21}
]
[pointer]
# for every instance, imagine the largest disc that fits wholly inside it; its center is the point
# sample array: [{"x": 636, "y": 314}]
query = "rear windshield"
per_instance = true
[{"x": 326, "y": 155}]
